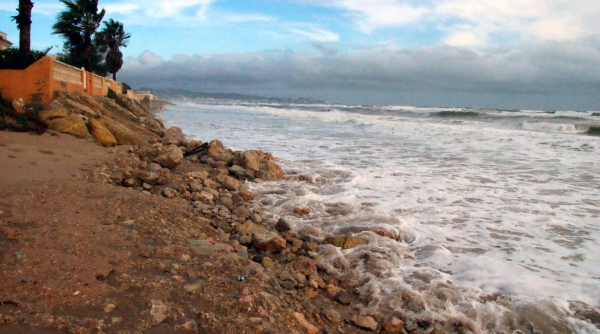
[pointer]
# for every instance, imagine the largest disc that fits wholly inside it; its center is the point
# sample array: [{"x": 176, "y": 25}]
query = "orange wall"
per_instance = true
[
  {"x": 37, "y": 83},
  {"x": 33, "y": 84}
]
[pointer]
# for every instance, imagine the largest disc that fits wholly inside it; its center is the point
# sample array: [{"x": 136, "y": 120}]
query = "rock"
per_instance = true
[
  {"x": 217, "y": 152},
  {"x": 81, "y": 109},
  {"x": 282, "y": 225},
  {"x": 52, "y": 110},
  {"x": 248, "y": 229},
  {"x": 169, "y": 193},
  {"x": 146, "y": 186},
  {"x": 367, "y": 322},
  {"x": 129, "y": 182},
  {"x": 195, "y": 186},
  {"x": 208, "y": 247},
  {"x": 109, "y": 308},
  {"x": 305, "y": 266},
  {"x": 248, "y": 160},
  {"x": 345, "y": 242},
  {"x": 268, "y": 241},
  {"x": 72, "y": 124},
  {"x": 392, "y": 325},
  {"x": 268, "y": 263},
  {"x": 193, "y": 286},
  {"x": 241, "y": 212},
  {"x": 241, "y": 173},
  {"x": 307, "y": 326},
  {"x": 343, "y": 297},
  {"x": 301, "y": 211},
  {"x": 229, "y": 182},
  {"x": 19, "y": 106},
  {"x": 158, "y": 311},
  {"x": 198, "y": 175},
  {"x": 246, "y": 195},
  {"x": 173, "y": 136},
  {"x": 154, "y": 167},
  {"x": 101, "y": 133},
  {"x": 170, "y": 157},
  {"x": 270, "y": 171},
  {"x": 332, "y": 316},
  {"x": 123, "y": 134}
]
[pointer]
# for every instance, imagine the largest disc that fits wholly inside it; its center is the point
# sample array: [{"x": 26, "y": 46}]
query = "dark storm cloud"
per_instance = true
[{"x": 563, "y": 75}]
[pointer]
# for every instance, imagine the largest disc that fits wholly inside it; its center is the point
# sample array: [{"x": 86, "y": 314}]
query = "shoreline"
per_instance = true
[{"x": 135, "y": 238}]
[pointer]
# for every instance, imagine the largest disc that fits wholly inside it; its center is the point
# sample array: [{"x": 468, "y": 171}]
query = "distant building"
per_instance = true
[{"x": 4, "y": 42}]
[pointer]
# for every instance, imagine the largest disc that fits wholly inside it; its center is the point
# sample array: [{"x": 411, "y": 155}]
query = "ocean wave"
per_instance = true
[
  {"x": 456, "y": 114},
  {"x": 593, "y": 131},
  {"x": 552, "y": 127}
]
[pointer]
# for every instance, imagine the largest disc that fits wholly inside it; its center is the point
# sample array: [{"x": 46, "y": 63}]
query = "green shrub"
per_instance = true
[{"x": 11, "y": 59}]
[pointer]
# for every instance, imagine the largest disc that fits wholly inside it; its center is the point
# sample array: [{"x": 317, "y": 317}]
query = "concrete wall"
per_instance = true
[
  {"x": 4, "y": 42},
  {"x": 38, "y": 82}
]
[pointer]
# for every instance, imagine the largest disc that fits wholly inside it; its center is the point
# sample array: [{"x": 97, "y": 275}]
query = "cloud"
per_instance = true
[
  {"x": 444, "y": 75},
  {"x": 312, "y": 32},
  {"x": 477, "y": 22}
]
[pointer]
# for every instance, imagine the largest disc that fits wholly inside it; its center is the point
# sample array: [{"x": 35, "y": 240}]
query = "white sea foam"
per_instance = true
[{"x": 492, "y": 223}]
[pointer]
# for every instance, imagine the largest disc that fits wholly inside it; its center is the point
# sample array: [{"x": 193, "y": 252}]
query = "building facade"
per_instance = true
[{"x": 4, "y": 42}]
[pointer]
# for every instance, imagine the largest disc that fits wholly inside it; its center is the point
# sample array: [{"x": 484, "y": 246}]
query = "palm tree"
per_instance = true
[
  {"x": 111, "y": 38},
  {"x": 23, "y": 20},
  {"x": 77, "y": 24}
]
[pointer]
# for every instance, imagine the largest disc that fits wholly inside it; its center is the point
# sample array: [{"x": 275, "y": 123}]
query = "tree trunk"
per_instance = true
[
  {"x": 115, "y": 76},
  {"x": 24, "y": 24}
]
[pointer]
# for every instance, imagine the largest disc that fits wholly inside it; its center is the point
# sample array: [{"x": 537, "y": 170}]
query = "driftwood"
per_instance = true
[{"x": 196, "y": 150}]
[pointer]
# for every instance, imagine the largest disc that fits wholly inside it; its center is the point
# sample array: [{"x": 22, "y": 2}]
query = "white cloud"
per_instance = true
[
  {"x": 548, "y": 72},
  {"x": 313, "y": 32}
]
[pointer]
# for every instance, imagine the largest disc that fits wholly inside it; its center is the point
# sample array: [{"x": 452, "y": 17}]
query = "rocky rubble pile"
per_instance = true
[{"x": 212, "y": 182}]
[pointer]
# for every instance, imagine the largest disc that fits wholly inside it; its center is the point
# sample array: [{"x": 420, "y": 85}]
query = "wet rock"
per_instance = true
[
  {"x": 268, "y": 241},
  {"x": 392, "y": 325},
  {"x": 248, "y": 160},
  {"x": 241, "y": 173},
  {"x": 282, "y": 225},
  {"x": 158, "y": 311},
  {"x": 247, "y": 196},
  {"x": 307, "y": 326},
  {"x": 366, "y": 322},
  {"x": 344, "y": 298},
  {"x": 270, "y": 171},
  {"x": 345, "y": 242},
  {"x": 301, "y": 211},
  {"x": 170, "y": 156}
]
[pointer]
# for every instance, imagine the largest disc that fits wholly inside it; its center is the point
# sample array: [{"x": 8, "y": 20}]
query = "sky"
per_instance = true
[{"x": 517, "y": 54}]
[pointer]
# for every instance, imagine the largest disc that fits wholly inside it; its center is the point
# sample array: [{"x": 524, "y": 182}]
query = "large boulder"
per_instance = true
[
  {"x": 217, "y": 152},
  {"x": 72, "y": 124},
  {"x": 51, "y": 111},
  {"x": 268, "y": 241},
  {"x": 173, "y": 136},
  {"x": 249, "y": 160},
  {"x": 169, "y": 157},
  {"x": 123, "y": 134},
  {"x": 270, "y": 171},
  {"x": 101, "y": 133}
]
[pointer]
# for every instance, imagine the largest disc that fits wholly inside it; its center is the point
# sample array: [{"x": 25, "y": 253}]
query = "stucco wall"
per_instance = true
[{"x": 38, "y": 82}]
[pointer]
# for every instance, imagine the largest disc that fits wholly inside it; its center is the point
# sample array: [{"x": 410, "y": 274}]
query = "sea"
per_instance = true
[{"x": 490, "y": 217}]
